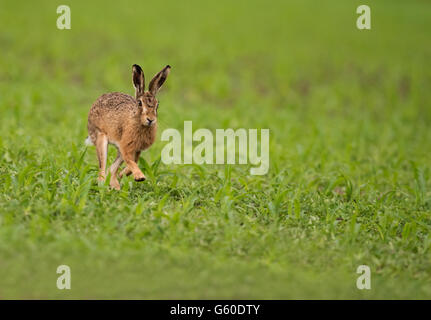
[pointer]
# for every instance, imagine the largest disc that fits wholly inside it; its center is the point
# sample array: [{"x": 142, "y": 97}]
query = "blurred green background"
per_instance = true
[{"x": 349, "y": 180}]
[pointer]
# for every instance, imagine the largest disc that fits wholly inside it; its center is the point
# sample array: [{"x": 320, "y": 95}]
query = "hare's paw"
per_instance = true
[{"x": 140, "y": 177}]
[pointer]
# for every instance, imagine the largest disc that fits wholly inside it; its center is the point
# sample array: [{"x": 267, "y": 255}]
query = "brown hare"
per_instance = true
[{"x": 129, "y": 123}]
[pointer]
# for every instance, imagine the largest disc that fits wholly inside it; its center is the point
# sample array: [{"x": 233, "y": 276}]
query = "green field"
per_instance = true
[{"x": 349, "y": 183}]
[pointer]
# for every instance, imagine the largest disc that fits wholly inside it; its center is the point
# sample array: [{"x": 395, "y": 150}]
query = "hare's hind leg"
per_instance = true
[
  {"x": 114, "y": 168},
  {"x": 102, "y": 154}
]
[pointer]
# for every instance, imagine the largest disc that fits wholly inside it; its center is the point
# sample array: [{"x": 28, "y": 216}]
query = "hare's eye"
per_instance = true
[{"x": 140, "y": 103}]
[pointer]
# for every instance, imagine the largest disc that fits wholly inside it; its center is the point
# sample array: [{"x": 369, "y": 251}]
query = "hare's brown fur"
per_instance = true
[{"x": 129, "y": 123}]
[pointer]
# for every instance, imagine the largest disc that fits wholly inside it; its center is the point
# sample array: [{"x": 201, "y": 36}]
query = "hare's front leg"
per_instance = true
[
  {"x": 102, "y": 153},
  {"x": 130, "y": 158},
  {"x": 126, "y": 171}
]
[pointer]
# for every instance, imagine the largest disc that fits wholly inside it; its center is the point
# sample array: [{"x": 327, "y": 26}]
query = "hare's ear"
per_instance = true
[
  {"x": 138, "y": 80},
  {"x": 158, "y": 80}
]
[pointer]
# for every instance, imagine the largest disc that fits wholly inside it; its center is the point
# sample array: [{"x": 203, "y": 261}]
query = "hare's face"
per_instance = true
[
  {"x": 149, "y": 105},
  {"x": 147, "y": 99}
]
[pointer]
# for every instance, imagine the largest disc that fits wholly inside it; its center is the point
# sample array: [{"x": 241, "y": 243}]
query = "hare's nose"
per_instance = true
[{"x": 149, "y": 120}]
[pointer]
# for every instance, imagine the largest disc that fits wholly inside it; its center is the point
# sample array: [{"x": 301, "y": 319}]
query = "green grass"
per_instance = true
[{"x": 349, "y": 180}]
